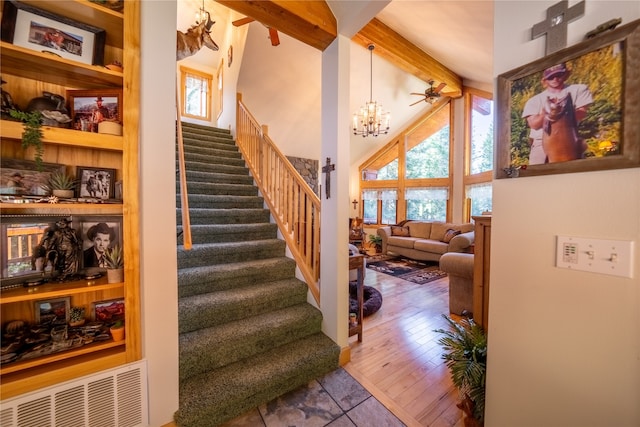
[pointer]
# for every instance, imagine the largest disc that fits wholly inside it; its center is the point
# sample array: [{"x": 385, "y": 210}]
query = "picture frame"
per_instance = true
[
  {"x": 608, "y": 136},
  {"x": 23, "y": 233},
  {"x": 108, "y": 311},
  {"x": 89, "y": 108},
  {"x": 24, "y": 178},
  {"x": 27, "y": 26},
  {"x": 53, "y": 311},
  {"x": 95, "y": 183},
  {"x": 97, "y": 233}
]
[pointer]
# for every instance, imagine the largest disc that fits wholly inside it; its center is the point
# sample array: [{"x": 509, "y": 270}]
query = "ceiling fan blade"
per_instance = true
[
  {"x": 242, "y": 21},
  {"x": 440, "y": 87},
  {"x": 273, "y": 35},
  {"x": 415, "y": 93},
  {"x": 411, "y": 105}
]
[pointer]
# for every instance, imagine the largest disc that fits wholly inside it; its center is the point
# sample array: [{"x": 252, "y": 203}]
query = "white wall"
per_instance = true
[
  {"x": 159, "y": 283},
  {"x": 564, "y": 346}
]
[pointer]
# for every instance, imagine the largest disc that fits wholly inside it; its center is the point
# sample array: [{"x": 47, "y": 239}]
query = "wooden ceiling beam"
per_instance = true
[
  {"x": 408, "y": 57},
  {"x": 310, "y": 22}
]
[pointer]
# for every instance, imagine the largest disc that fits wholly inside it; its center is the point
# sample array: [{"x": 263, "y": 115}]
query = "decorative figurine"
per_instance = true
[{"x": 60, "y": 247}]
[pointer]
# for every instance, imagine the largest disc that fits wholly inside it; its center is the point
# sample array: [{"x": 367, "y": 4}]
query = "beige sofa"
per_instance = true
[{"x": 426, "y": 240}]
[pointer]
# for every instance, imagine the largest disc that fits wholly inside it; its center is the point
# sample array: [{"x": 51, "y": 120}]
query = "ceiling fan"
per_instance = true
[
  {"x": 431, "y": 94},
  {"x": 273, "y": 33}
]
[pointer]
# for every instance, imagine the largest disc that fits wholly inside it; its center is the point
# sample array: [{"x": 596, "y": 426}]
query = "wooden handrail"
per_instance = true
[
  {"x": 293, "y": 204},
  {"x": 184, "y": 196}
]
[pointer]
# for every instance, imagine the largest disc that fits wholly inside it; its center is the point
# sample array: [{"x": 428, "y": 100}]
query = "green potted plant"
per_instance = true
[
  {"x": 117, "y": 331},
  {"x": 465, "y": 345},
  {"x": 32, "y": 133},
  {"x": 60, "y": 185},
  {"x": 114, "y": 259},
  {"x": 76, "y": 316},
  {"x": 376, "y": 241}
]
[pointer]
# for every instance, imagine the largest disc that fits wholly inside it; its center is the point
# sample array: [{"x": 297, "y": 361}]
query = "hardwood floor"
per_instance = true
[{"x": 399, "y": 360}]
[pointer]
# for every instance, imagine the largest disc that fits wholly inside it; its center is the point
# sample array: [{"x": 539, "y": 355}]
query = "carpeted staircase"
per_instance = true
[{"x": 247, "y": 334}]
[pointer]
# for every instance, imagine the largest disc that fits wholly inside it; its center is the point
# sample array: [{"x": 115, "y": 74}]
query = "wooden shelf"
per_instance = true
[
  {"x": 68, "y": 137},
  {"x": 55, "y": 290},
  {"x": 61, "y": 208},
  {"x": 48, "y": 68},
  {"x": 32, "y": 72},
  {"x": 56, "y": 357},
  {"x": 27, "y": 380}
]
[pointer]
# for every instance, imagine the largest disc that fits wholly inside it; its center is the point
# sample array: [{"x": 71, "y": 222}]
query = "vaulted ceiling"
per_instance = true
[{"x": 404, "y": 39}]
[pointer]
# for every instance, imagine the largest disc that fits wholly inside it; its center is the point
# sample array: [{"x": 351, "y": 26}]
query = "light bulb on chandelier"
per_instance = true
[
  {"x": 370, "y": 120},
  {"x": 201, "y": 14}
]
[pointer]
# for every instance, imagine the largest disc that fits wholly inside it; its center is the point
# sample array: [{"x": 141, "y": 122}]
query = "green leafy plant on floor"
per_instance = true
[
  {"x": 376, "y": 241},
  {"x": 465, "y": 345},
  {"x": 32, "y": 133}
]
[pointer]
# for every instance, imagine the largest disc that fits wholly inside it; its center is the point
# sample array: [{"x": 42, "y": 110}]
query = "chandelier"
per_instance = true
[
  {"x": 370, "y": 119},
  {"x": 201, "y": 14}
]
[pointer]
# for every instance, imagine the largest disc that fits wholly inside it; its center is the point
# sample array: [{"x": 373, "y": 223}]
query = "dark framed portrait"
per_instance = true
[
  {"x": 95, "y": 183},
  {"x": 573, "y": 111},
  {"x": 30, "y": 27},
  {"x": 97, "y": 234},
  {"x": 91, "y": 110}
]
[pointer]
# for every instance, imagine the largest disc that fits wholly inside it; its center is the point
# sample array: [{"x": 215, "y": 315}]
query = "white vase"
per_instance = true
[{"x": 115, "y": 275}]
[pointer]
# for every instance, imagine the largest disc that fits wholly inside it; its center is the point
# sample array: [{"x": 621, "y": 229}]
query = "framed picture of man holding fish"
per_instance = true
[{"x": 575, "y": 110}]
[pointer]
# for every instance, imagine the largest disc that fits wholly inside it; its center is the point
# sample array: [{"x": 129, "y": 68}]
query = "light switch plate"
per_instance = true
[{"x": 595, "y": 255}]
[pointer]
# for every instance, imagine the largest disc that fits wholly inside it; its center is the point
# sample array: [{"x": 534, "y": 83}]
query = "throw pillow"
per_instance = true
[
  {"x": 450, "y": 234},
  {"x": 399, "y": 231}
]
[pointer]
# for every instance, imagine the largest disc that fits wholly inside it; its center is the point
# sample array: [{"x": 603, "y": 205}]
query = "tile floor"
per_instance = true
[{"x": 335, "y": 400}]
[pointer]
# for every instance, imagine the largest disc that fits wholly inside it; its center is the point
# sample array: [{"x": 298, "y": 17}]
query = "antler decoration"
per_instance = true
[{"x": 191, "y": 42}]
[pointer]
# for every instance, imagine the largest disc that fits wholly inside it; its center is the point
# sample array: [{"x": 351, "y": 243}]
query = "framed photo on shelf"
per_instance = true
[
  {"x": 30, "y": 27},
  {"x": 89, "y": 108},
  {"x": 575, "y": 110},
  {"x": 53, "y": 311},
  {"x": 23, "y": 178},
  {"x": 97, "y": 183},
  {"x": 108, "y": 311},
  {"x": 97, "y": 234}
]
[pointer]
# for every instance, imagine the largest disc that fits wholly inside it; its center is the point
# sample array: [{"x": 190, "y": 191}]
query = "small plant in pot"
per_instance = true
[
  {"x": 114, "y": 259},
  {"x": 465, "y": 345},
  {"x": 117, "y": 331},
  {"x": 376, "y": 241},
  {"x": 60, "y": 185},
  {"x": 76, "y": 316}
]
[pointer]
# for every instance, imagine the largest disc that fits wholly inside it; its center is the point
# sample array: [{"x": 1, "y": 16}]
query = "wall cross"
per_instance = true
[
  {"x": 555, "y": 26},
  {"x": 328, "y": 168}
]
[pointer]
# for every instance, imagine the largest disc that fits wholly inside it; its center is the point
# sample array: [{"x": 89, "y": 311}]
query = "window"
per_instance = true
[
  {"x": 427, "y": 204},
  {"x": 478, "y": 153},
  {"x": 480, "y": 198},
  {"x": 196, "y": 94},
  {"x": 430, "y": 158},
  {"x": 380, "y": 206},
  {"x": 410, "y": 177}
]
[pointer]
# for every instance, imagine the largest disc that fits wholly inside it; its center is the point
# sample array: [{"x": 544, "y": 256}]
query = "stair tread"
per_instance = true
[
  {"x": 236, "y": 340},
  {"x": 217, "y": 395}
]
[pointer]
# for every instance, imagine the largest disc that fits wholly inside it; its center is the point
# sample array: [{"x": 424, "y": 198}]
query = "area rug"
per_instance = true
[{"x": 419, "y": 272}]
